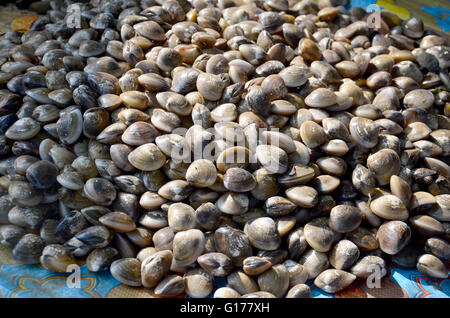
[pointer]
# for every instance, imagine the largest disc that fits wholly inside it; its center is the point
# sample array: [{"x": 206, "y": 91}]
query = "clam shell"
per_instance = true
[
  {"x": 344, "y": 254},
  {"x": 198, "y": 283},
  {"x": 242, "y": 283},
  {"x": 344, "y": 218},
  {"x": 218, "y": 264},
  {"x": 181, "y": 217},
  {"x": 364, "y": 132},
  {"x": 201, "y": 173},
  {"x": 56, "y": 258},
  {"x": 319, "y": 235},
  {"x": 432, "y": 266},
  {"x": 299, "y": 291},
  {"x": 127, "y": 271},
  {"x": 234, "y": 243},
  {"x": 147, "y": 157},
  {"x": 367, "y": 265},
  {"x": 263, "y": 234},
  {"x": 11, "y": 234},
  {"x": 155, "y": 267},
  {"x": 334, "y": 280},
  {"x": 389, "y": 207},
  {"x": 320, "y": 98},
  {"x": 314, "y": 262},
  {"x": 275, "y": 280},
  {"x": 100, "y": 191},
  {"x": 303, "y": 196},
  {"x": 384, "y": 164},
  {"x": 312, "y": 134},
  {"x": 118, "y": 221},
  {"x": 393, "y": 236},
  {"x": 101, "y": 258},
  {"x": 188, "y": 246},
  {"x": 239, "y": 180},
  {"x": 23, "y": 129},
  {"x": 28, "y": 249}
]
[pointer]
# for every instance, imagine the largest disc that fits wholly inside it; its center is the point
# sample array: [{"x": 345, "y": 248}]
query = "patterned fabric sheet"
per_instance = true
[{"x": 31, "y": 281}]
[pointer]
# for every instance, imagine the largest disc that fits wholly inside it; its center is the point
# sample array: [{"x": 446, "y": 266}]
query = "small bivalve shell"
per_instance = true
[
  {"x": 312, "y": 134},
  {"x": 299, "y": 291},
  {"x": 384, "y": 163},
  {"x": 100, "y": 259},
  {"x": 127, "y": 271},
  {"x": 23, "y": 129},
  {"x": 389, "y": 207},
  {"x": 56, "y": 258},
  {"x": 263, "y": 234},
  {"x": 239, "y": 180},
  {"x": 334, "y": 280},
  {"x": 393, "y": 236},
  {"x": 426, "y": 225},
  {"x": 344, "y": 254},
  {"x": 275, "y": 280},
  {"x": 42, "y": 174},
  {"x": 233, "y": 203},
  {"x": 201, "y": 173},
  {"x": 272, "y": 158},
  {"x": 432, "y": 266},
  {"x": 364, "y": 132},
  {"x": 344, "y": 218},
  {"x": 70, "y": 125},
  {"x": 155, "y": 267},
  {"x": 139, "y": 133},
  {"x": 147, "y": 157},
  {"x": 401, "y": 189},
  {"x": 319, "y": 235},
  {"x": 297, "y": 272},
  {"x": 171, "y": 286},
  {"x": 11, "y": 234},
  {"x": 28, "y": 249},
  {"x": 321, "y": 98},
  {"x": 278, "y": 206},
  {"x": 100, "y": 191},
  {"x": 95, "y": 236},
  {"x": 363, "y": 238},
  {"x": 118, "y": 221},
  {"x": 314, "y": 262},
  {"x": 304, "y": 196},
  {"x": 188, "y": 246},
  {"x": 242, "y": 283},
  {"x": 218, "y": 264},
  {"x": 181, "y": 217},
  {"x": 226, "y": 292},
  {"x": 439, "y": 247},
  {"x": 234, "y": 243},
  {"x": 198, "y": 283},
  {"x": 24, "y": 194},
  {"x": 255, "y": 265},
  {"x": 368, "y": 265},
  {"x": 175, "y": 190}
]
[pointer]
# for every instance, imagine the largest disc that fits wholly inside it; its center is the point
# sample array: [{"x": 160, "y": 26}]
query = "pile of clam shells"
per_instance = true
[{"x": 269, "y": 142}]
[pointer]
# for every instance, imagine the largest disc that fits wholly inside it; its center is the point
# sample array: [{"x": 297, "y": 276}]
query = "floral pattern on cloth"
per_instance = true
[
  {"x": 31, "y": 281},
  {"x": 435, "y": 14}
]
